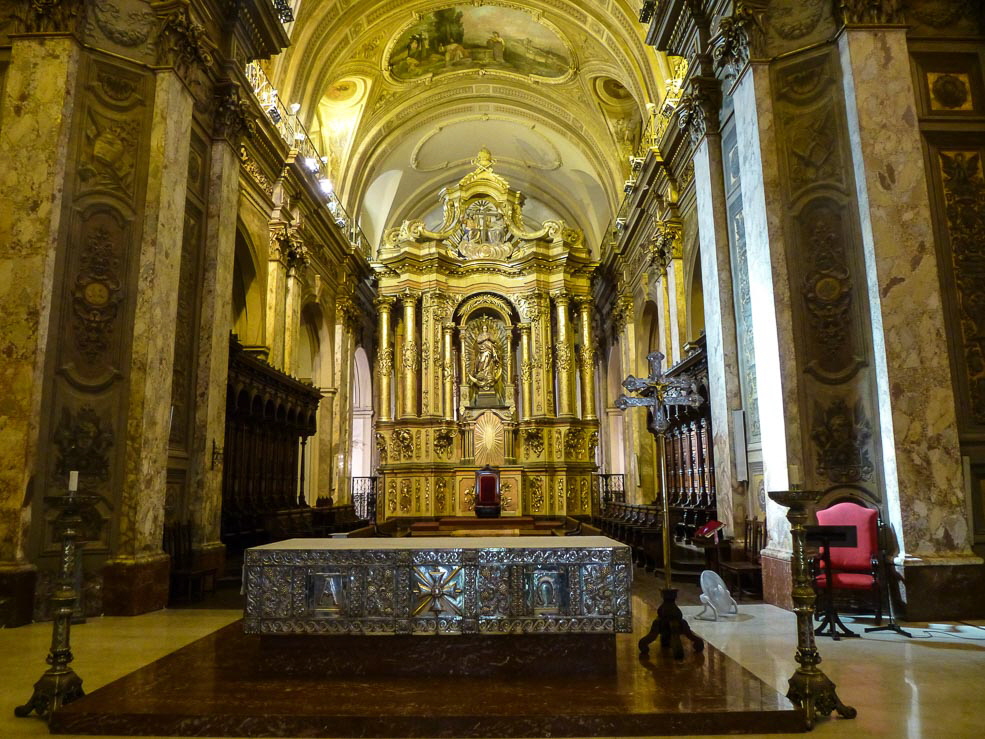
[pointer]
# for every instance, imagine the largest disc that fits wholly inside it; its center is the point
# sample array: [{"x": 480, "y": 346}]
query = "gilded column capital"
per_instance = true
[
  {"x": 524, "y": 327},
  {"x": 233, "y": 116},
  {"x": 55, "y": 16},
  {"x": 287, "y": 247},
  {"x": 666, "y": 243},
  {"x": 409, "y": 297},
  {"x": 697, "y": 111},
  {"x": 181, "y": 42},
  {"x": 384, "y": 302},
  {"x": 869, "y": 12},
  {"x": 561, "y": 297},
  {"x": 740, "y": 37},
  {"x": 584, "y": 302},
  {"x": 448, "y": 326},
  {"x": 346, "y": 312}
]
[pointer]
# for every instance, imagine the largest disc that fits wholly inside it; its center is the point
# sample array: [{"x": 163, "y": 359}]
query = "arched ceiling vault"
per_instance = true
[{"x": 556, "y": 89}]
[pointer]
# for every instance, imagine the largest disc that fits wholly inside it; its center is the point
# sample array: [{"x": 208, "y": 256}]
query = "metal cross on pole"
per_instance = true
[{"x": 656, "y": 392}]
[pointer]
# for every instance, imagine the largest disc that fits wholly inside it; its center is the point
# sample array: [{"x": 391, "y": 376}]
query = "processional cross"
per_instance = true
[{"x": 656, "y": 392}]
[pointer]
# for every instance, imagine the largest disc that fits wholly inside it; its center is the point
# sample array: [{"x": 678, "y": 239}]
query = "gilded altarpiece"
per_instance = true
[{"x": 483, "y": 326}]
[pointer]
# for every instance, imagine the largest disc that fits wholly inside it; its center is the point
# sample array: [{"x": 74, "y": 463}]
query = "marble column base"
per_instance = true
[
  {"x": 132, "y": 588},
  {"x": 941, "y": 592},
  {"x": 777, "y": 583},
  {"x": 17, "y": 596}
]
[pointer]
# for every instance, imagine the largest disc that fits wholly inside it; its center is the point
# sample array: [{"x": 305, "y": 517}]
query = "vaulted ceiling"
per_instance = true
[{"x": 401, "y": 94}]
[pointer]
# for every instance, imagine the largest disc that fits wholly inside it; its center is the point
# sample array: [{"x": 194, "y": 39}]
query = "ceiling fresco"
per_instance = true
[
  {"x": 466, "y": 37},
  {"x": 402, "y": 93}
]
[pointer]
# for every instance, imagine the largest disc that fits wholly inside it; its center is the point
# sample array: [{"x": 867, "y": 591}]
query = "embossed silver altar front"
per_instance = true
[{"x": 487, "y": 585}]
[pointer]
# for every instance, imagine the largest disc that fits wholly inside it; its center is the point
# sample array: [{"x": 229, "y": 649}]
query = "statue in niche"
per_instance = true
[{"x": 485, "y": 347}]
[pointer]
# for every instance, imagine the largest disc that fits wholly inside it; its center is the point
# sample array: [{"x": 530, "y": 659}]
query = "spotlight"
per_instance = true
[
  {"x": 295, "y": 107},
  {"x": 274, "y": 113},
  {"x": 326, "y": 185},
  {"x": 311, "y": 163},
  {"x": 629, "y": 187}
]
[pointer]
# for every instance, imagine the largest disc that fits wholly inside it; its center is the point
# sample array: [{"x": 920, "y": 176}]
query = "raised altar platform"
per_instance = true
[
  {"x": 439, "y": 585},
  {"x": 469, "y": 525},
  {"x": 222, "y": 685}
]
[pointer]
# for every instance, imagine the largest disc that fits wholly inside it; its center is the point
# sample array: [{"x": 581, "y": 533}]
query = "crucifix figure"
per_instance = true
[{"x": 656, "y": 392}]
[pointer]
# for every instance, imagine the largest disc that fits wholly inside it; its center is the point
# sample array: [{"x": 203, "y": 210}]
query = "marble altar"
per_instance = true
[{"x": 441, "y": 585}]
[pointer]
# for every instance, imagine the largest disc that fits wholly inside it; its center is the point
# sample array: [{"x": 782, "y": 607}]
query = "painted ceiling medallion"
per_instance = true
[{"x": 487, "y": 37}]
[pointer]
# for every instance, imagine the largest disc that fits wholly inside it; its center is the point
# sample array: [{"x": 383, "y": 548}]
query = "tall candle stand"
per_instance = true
[
  {"x": 59, "y": 684},
  {"x": 810, "y": 689}
]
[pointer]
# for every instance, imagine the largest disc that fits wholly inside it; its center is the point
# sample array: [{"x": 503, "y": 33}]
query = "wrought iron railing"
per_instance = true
[
  {"x": 288, "y": 123},
  {"x": 657, "y": 122},
  {"x": 364, "y": 497}
]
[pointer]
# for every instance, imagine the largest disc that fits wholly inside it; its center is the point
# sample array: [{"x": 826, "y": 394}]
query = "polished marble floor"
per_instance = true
[{"x": 928, "y": 686}]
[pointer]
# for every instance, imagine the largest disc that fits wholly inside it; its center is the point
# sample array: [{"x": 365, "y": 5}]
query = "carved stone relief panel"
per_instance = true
[
  {"x": 963, "y": 186},
  {"x": 826, "y": 271},
  {"x": 122, "y": 26}
]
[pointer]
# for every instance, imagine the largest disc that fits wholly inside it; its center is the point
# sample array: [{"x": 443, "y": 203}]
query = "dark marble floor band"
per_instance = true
[{"x": 218, "y": 686}]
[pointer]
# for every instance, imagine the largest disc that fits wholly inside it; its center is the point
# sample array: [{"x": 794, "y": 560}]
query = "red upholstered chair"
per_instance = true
[
  {"x": 487, "y": 501},
  {"x": 857, "y": 569}
]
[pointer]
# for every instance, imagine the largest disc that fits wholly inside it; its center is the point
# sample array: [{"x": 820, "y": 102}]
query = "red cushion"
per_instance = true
[{"x": 848, "y": 581}]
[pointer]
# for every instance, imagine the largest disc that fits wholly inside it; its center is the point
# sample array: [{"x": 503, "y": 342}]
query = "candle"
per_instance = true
[
  {"x": 73, "y": 481},
  {"x": 793, "y": 472}
]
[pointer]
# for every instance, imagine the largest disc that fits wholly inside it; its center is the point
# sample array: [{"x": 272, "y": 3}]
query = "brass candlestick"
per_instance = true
[
  {"x": 59, "y": 684},
  {"x": 810, "y": 689}
]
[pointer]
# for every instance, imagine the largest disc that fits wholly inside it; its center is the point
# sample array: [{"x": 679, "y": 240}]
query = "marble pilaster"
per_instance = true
[
  {"x": 292, "y": 317},
  {"x": 323, "y": 484},
  {"x": 215, "y": 317},
  {"x": 38, "y": 113},
  {"x": 770, "y": 294},
  {"x": 921, "y": 456},
  {"x": 345, "y": 347},
  {"x": 140, "y": 519},
  {"x": 276, "y": 318},
  {"x": 723, "y": 371}
]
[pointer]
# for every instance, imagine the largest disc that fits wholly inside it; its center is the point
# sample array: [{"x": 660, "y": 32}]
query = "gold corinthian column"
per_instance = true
[
  {"x": 411, "y": 357},
  {"x": 384, "y": 357},
  {"x": 526, "y": 374},
  {"x": 562, "y": 356},
  {"x": 448, "y": 372},
  {"x": 587, "y": 354}
]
